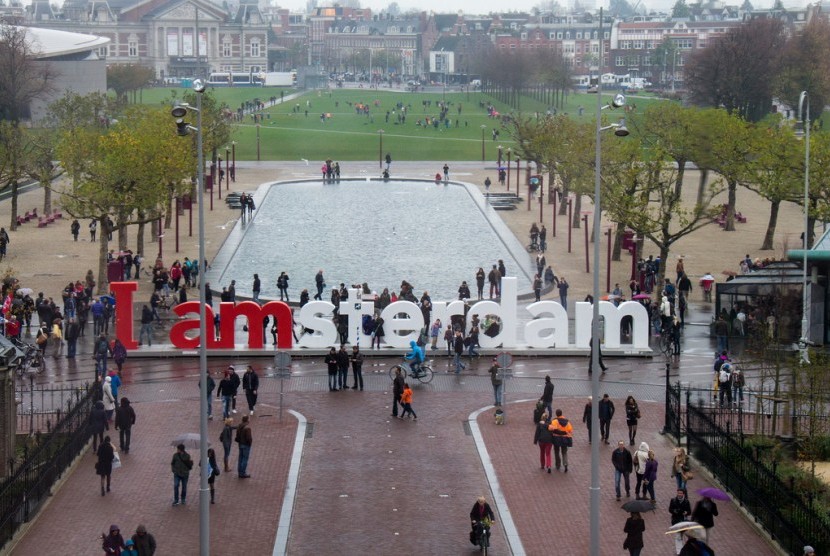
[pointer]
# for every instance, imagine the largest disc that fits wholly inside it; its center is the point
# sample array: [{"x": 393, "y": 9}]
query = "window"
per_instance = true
[
  {"x": 226, "y": 49},
  {"x": 646, "y": 60},
  {"x": 132, "y": 49},
  {"x": 255, "y": 49},
  {"x": 680, "y": 61},
  {"x": 104, "y": 51},
  {"x": 649, "y": 45},
  {"x": 684, "y": 44},
  {"x": 579, "y": 34},
  {"x": 559, "y": 35},
  {"x": 638, "y": 45},
  {"x": 567, "y": 34},
  {"x": 524, "y": 36},
  {"x": 620, "y": 61},
  {"x": 569, "y": 48},
  {"x": 625, "y": 45},
  {"x": 256, "y": 69},
  {"x": 607, "y": 35},
  {"x": 551, "y": 35}
]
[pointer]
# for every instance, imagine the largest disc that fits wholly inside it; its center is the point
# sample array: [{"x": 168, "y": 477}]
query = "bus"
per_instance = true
[{"x": 234, "y": 79}]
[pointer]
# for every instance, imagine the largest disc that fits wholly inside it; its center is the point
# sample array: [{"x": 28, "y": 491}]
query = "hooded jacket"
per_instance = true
[
  {"x": 640, "y": 457},
  {"x": 109, "y": 397},
  {"x": 98, "y": 418},
  {"x": 416, "y": 353}
]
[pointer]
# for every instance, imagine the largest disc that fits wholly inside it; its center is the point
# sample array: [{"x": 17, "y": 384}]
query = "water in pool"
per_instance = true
[{"x": 433, "y": 236}]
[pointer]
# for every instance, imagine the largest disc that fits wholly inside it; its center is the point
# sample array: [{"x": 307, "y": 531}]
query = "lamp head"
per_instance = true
[
  {"x": 182, "y": 127},
  {"x": 621, "y": 130},
  {"x": 199, "y": 85},
  {"x": 179, "y": 111},
  {"x": 619, "y": 101}
]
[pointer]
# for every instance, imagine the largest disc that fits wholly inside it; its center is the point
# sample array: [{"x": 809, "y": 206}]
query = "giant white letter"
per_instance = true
[
  {"x": 558, "y": 325},
  {"x": 411, "y": 322},
  {"x": 317, "y": 315}
]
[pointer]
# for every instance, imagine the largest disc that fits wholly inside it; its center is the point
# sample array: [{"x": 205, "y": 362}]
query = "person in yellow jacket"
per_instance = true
[
  {"x": 562, "y": 432},
  {"x": 406, "y": 402}
]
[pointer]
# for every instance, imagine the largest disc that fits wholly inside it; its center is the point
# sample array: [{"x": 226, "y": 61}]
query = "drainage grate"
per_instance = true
[
  {"x": 309, "y": 430},
  {"x": 467, "y": 430}
]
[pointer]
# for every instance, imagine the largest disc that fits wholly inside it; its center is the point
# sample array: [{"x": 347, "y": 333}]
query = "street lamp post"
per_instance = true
[
  {"x": 233, "y": 167},
  {"x": 380, "y": 149},
  {"x": 227, "y": 168},
  {"x": 257, "y": 151},
  {"x": 204, "y": 491},
  {"x": 587, "y": 243},
  {"x": 518, "y": 163},
  {"x": 509, "y": 154},
  {"x": 483, "y": 127},
  {"x": 804, "y": 102}
]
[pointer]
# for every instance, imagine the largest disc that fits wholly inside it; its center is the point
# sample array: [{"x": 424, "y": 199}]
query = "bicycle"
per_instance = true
[
  {"x": 666, "y": 344},
  {"x": 482, "y": 536},
  {"x": 424, "y": 376}
]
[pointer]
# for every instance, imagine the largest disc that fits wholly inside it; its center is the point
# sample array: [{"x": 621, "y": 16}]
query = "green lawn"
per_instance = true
[{"x": 287, "y": 133}]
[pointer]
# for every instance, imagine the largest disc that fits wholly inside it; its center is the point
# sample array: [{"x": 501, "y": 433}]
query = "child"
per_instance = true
[
  {"x": 130, "y": 550},
  {"x": 214, "y": 472},
  {"x": 406, "y": 401}
]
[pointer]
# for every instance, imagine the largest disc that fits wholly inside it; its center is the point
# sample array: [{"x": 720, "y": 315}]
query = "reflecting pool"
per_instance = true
[{"x": 433, "y": 236}]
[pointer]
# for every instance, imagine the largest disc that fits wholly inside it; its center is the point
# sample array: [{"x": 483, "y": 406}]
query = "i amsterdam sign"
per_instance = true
[{"x": 403, "y": 320}]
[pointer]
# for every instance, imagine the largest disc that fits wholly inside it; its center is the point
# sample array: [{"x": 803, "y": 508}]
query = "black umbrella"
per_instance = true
[{"x": 638, "y": 506}]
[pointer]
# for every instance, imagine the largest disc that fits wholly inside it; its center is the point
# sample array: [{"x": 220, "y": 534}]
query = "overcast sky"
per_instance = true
[{"x": 487, "y": 6}]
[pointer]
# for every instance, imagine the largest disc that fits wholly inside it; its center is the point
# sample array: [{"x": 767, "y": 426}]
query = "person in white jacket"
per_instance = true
[
  {"x": 109, "y": 398},
  {"x": 640, "y": 457}
]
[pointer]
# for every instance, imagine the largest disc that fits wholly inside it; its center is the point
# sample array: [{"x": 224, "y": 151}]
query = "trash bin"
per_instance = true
[{"x": 115, "y": 271}]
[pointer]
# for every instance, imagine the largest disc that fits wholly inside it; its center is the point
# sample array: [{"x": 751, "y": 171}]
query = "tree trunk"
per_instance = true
[
  {"x": 701, "y": 185},
  {"x": 154, "y": 230},
  {"x": 773, "y": 221},
  {"x": 47, "y": 197},
  {"x": 618, "y": 235},
  {"x": 563, "y": 204},
  {"x": 730, "y": 206},
  {"x": 13, "y": 224},
  {"x": 103, "y": 248},
  {"x": 168, "y": 214},
  {"x": 577, "y": 210},
  {"x": 122, "y": 237},
  {"x": 660, "y": 279}
]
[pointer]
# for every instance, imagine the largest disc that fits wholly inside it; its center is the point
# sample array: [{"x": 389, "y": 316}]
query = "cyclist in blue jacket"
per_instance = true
[{"x": 415, "y": 357}]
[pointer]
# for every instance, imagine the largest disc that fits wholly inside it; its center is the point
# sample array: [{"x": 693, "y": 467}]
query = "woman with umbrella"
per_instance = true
[
  {"x": 634, "y": 528},
  {"x": 704, "y": 513}
]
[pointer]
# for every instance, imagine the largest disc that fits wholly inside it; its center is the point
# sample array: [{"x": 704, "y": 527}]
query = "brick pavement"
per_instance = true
[
  {"x": 243, "y": 520},
  {"x": 369, "y": 484}
]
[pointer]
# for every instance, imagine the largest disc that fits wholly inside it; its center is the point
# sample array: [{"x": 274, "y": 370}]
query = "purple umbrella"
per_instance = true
[
  {"x": 713, "y": 493},
  {"x": 641, "y": 296}
]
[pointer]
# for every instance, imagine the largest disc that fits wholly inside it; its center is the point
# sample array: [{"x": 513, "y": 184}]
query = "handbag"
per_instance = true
[{"x": 116, "y": 460}]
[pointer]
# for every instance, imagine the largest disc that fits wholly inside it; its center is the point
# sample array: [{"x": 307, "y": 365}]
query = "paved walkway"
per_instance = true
[{"x": 369, "y": 484}]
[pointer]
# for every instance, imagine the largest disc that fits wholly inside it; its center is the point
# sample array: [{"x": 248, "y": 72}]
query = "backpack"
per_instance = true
[{"x": 723, "y": 376}]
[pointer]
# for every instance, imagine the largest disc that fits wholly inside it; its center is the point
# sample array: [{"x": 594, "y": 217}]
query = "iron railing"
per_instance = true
[
  {"x": 778, "y": 507},
  {"x": 45, "y": 457}
]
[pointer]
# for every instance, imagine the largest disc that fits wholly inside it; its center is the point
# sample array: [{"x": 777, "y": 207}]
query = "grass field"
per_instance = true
[{"x": 287, "y": 133}]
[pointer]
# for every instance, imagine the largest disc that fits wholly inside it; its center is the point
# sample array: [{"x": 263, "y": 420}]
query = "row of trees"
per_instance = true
[
  {"x": 752, "y": 64},
  {"x": 643, "y": 175}
]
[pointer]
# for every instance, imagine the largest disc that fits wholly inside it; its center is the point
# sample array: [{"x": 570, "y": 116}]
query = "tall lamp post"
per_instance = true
[
  {"x": 380, "y": 149},
  {"x": 233, "y": 167},
  {"x": 483, "y": 127},
  {"x": 804, "y": 102},
  {"x": 621, "y": 131},
  {"x": 509, "y": 155},
  {"x": 185, "y": 128}
]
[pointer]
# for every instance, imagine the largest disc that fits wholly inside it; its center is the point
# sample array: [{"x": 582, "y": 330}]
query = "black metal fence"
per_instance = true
[
  {"x": 45, "y": 457},
  {"x": 778, "y": 507}
]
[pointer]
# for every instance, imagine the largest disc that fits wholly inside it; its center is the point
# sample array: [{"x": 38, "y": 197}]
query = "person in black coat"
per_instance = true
[
  {"x": 124, "y": 421},
  {"x": 623, "y": 466},
  {"x": 704, "y": 513},
  {"x": 481, "y": 510},
  {"x": 103, "y": 467},
  {"x": 250, "y": 384},
  {"x": 606, "y": 413},
  {"x": 679, "y": 508},
  {"x": 547, "y": 396},
  {"x": 98, "y": 424},
  {"x": 343, "y": 368},
  {"x": 634, "y": 528},
  {"x": 331, "y": 363},
  {"x": 236, "y": 382}
]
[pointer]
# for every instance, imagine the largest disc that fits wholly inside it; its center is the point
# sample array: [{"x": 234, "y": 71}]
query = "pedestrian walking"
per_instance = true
[
  {"x": 113, "y": 543},
  {"x": 225, "y": 392},
  {"x": 640, "y": 457},
  {"x": 250, "y": 385},
  {"x": 145, "y": 543},
  {"x": 587, "y": 413},
  {"x": 725, "y": 384},
  {"x": 547, "y": 396},
  {"x": 634, "y": 528},
  {"x": 562, "y": 431},
  {"x": 544, "y": 439},
  {"x": 93, "y": 228},
  {"x": 623, "y": 466},
  {"x": 320, "y": 282},
  {"x": 124, "y": 421},
  {"x": 563, "y": 292},
  {"x": 406, "y": 402},
  {"x": 180, "y": 465},
  {"x": 480, "y": 282},
  {"x": 357, "y": 368},
  {"x": 434, "y": 332},
  {"x": 704, "y": 513},
  {"x": 119, "y": 354},
  {"x": 331, "y": 363},
  {"x": 599, "y": 357},
  {"x": 226, "y": 439},
  {"x": 103, "y": 467},
  {"x": 236, "y": 382},
  {"x": 244, "y": 437},
  {"x": 343, "y": 368},
  {"x": 458, "y": 349},
  {"x": 98, "y": 424},
  {"x": 211, "y": 385},
  {"x": 446, "y": 172},
  {"x": 449, "y": 336},
  {"x": 213, "y": 472},
  {"x": 680, "y": 467},
  {"x": 632, "y": 416},
  {"x": 680, "y": 510},
  {"x": 498, "y": 384},
  {"x": 606, "y": 413},
  {"x": 650, "y": 476},
  {"x": 109, "y": 398}
]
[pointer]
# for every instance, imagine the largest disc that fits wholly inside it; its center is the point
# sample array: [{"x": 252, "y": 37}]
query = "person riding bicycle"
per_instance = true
[
  {"x": 481, "y": 512},
  {"x": 415, "y": 357}
]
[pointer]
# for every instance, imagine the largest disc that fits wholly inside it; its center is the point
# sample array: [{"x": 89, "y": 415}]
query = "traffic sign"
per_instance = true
[
  {"x": 282, "y": 360},
  {"x": 504, "y": 360}
]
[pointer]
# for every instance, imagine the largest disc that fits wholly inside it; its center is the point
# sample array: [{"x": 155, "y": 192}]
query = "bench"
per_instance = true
[
  {"x": 21, "y": 220},
  {"x": 56, "y": 214},
  {"x": 504, "y": 207},
  {"x": 41, "y": 223},
  {"x": 740, "y": 218}
]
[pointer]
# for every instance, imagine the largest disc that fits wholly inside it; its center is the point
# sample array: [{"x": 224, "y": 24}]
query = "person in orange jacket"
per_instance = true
[
  {"x": 406, "y": 401},
  {"x": 562, "y": 431}
]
